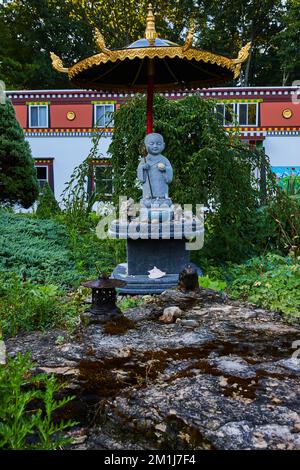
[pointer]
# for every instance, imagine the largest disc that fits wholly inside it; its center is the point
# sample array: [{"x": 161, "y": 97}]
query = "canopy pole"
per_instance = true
[{"x": 150, "y": 93}]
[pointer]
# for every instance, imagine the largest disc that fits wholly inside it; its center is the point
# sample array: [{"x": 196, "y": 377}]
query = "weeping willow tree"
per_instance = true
[{"x": 211, "y": 167}]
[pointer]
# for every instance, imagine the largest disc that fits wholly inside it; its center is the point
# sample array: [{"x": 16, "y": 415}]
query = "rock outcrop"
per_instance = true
[{"x": 221, "y": 376}]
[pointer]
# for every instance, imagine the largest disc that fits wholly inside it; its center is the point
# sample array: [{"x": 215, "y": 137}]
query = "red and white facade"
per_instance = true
[{"x": 59, "y": 124}]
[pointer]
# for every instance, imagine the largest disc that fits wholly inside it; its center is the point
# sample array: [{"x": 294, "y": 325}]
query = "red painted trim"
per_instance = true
[{"x": 150, "y": 94}]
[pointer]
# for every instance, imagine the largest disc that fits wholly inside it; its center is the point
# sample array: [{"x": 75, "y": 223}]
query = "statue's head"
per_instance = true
[{"x": 154, "y": 144}]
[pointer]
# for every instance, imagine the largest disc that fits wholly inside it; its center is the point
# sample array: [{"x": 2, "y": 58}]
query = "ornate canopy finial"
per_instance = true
[
  {"x": 100, "y": 41},
  {"x": 189, "y": 37},
  {"x": 150, "y": 32},
  {"x": 57, "y": 63}
]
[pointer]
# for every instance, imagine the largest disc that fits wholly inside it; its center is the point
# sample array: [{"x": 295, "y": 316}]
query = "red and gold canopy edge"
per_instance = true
[{"x": 179, "y": 66}]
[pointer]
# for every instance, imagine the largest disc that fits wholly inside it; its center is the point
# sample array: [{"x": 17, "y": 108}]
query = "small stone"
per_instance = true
[
  {"x": 297, "y": 427},
  {"x": 223, "y": 381},
  {"x": 277, "y": 401},
  {"x": 190, "y": 323},
  {"x": 161, "y": 427},
  {"x": 170, "y": 314}
]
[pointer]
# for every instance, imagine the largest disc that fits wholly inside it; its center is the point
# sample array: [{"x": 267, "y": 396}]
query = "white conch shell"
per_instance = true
[{"x": 156, "y": 273}]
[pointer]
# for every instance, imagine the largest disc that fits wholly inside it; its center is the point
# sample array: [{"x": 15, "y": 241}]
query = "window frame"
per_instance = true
[
  {"x": 47, "y": 173},
  {"x": 46, "y": 162},
  {"x": 106, "y": 179},
  {"x": 236, "y": 112},
  {"x": 92, "y": 178},
  {"x": 256, "y": 114},
  {"x": 29, "y": 116},
  {"x": 111, "y": 123}
]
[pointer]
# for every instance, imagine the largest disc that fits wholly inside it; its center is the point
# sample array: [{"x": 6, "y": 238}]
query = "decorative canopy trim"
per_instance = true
[{"x": 161, "y": 53}]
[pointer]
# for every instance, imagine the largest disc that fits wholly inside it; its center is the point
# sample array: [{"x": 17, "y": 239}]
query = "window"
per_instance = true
[
  {"x": 248, "y": 114},
  {"x": 103, "y": 180},
  {"x": 226, "y": 113},
  {"x": 42, "y": 175},
  {"x": 44, "y": 171},
  {"x": 103, "y": 115},
  {"x": 245, "y": 114},
  {"x": 38, "y": 116}
]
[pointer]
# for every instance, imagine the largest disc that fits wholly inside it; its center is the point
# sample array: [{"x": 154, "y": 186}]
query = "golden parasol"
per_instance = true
[{"x": 152, "y": 64}]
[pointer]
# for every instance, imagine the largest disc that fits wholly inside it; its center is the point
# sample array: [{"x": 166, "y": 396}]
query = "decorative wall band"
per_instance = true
[
  {"x": 61, "y": 133},
  {"x": 38, "y": 103},
  {"x": 264, "y": 129},
  {"x": 42, "y": 161},
  {"x": 69, "y": 131},
  {"x": 254, "y": 100},
  {"x": 104, "y": 162},
  {"x": 103, "y": 102}
]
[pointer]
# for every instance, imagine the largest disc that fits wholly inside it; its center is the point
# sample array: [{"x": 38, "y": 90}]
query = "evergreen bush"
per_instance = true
[
  {"x": 47, "y": 205},
  {"x": 18, "y": 181}
]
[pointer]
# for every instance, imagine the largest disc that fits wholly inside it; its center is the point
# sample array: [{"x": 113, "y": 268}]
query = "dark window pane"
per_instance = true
[
  {"x": 220, "y": 112},
  {"x": 34, "y": 116},
  {"x": 42, "y": 116},
  {"x": 229, "y": 110},
  {"x": 41, "y": 172},
  {"x": 252, "y": 114},
  {"x": 100, "y": 116},
  {"x": 109, "y": 109},
  {"x": 243, "y": 114},
  {"x": 103, "y": 179}
]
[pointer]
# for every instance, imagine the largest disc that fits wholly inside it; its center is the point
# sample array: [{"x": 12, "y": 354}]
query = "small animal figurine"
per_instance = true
[{"x": 188, "y": 279}]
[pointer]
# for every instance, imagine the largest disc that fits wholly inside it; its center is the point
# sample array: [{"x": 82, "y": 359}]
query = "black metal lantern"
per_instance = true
[{"x": 104, "y": 297}]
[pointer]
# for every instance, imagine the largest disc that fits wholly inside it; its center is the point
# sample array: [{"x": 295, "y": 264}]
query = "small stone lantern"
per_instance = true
[{"x": 104, "y": 298}]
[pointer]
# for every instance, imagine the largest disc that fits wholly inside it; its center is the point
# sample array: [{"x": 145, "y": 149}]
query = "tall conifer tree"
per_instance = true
[{"x": 18, "y": 181}]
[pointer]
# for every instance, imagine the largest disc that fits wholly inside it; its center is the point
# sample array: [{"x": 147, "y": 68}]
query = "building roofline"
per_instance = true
[{"x": 183, "y": 91}]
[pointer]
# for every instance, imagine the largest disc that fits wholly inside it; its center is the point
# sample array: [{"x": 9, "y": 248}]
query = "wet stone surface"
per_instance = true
[{"x": 221, "y": 376}]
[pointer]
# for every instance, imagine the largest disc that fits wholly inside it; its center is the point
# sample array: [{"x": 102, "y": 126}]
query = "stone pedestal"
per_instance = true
[{"x": 148, "y": 246}]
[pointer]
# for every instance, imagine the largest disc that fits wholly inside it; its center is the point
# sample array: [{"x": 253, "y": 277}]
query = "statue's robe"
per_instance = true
[{"x": 159, "y": 180}]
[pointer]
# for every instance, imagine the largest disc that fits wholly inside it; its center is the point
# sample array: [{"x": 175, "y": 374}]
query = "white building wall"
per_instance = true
[
  {"x": 283, "y": 150},
  {"x": 68, "y": 152}
]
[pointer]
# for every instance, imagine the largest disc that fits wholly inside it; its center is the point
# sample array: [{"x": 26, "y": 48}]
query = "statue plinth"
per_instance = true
[{"x": 160, "y": 245}]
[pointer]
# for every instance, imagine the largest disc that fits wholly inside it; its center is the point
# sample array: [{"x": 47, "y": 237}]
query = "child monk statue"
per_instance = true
[{"x": 156, "y": 173}]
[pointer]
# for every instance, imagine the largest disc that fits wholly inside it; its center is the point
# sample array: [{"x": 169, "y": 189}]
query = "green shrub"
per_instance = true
[
  {"x": 270, "y": 281},
  {"x": 50, "y": 252},
  {"x": 25, "y": 306},
  {"x": 283, "y": 215},
  {"x": 36, "y": 247},
  {"x": 27, "y": 409},
  {"x": 47, "y": 205},
  {"x": 214, "y": 284}
]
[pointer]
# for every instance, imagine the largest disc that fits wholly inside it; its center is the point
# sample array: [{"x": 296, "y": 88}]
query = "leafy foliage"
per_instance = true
[
  {"x": 214, "y": 284},
  {"x": 25, "y": 306},
  {"x": 283, "y": 216},
  {"x": 272, "y": 282},
  {"x": 18, "y": 182},
  {"x": 210, "y": 167},
  {"x": 36, "y": 247},
  {"x": 47, "y": 204},
  {"x": 47, "y": 251},
  {"x": 27, "y": 409}
]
